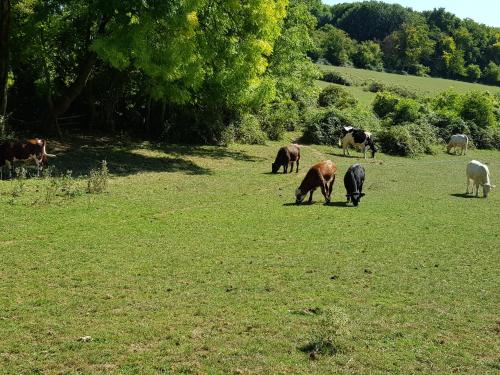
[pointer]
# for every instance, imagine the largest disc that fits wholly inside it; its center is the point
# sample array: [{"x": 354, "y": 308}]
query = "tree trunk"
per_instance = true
[
  {"x": 4, "y": 57},
  {"x": 76, "y": 88}
]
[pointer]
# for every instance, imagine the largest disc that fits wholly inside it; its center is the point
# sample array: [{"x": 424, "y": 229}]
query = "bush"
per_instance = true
[
  {"x": 478, "y": 108},
  {"x": 385, "y": 103},
  {"x": 407, "y": 110},
  {"x": 97, "y": 181},
  {"x": 407, "y": 140},
  {"x": 473, "y": 72},
  {"x": 278, "y": 118},
  {"x": 335, "y": 77},
  {"x": 376, "y": 86},
  {"x": 486, "y": 138},
  {"x": 337, "y": 97},
  {"x": 447, "y": 124},
  {"x": 248, "y": 131}
]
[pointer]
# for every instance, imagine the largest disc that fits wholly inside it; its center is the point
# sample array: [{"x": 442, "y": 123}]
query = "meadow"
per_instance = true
[
  {"x": 426, "y": 86},
  {"x": 197, "y": 260}
]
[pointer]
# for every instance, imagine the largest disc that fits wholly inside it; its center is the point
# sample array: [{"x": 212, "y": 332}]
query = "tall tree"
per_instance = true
[{"x": 5, "y": 10}]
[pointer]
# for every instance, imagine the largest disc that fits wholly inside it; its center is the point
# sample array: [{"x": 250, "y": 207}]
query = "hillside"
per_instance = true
[{"x": 422, "y": 85}]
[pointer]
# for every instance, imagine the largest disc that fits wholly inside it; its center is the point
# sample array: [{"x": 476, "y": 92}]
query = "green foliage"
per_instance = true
[
  {"x": 335, "y": 77},
  {"x": 385, "y": 104},
  {"x": 407, "y": 110},
  {"x": 98, "y": 179},
  {"x": 334, "y": 45},
  {"x": 368, "y": 55},
  {"x": 478, "y": 108},
  {"x": 337, "y": 97},
  {"x": 248, "y": 131},
  {"x": 473, "y": 72},
  {"x": 491, "y": 73},
  {"x": 407, "y": 140}
]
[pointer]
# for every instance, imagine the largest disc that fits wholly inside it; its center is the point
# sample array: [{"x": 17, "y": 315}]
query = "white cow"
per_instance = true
[
  {"x": 479, "y": 174},
  {"x": 458, "y": 141}
]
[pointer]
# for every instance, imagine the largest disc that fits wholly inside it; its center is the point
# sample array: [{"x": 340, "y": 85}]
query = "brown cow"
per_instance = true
[
  {"x": 320, "y": 175},
  {"x": 286, "y": 156},
  {"x": 30, "y": 150}
]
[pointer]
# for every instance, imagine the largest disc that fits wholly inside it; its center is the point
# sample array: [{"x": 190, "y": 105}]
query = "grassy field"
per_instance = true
[
  {"x": 422, "y": 85},
  {"x": 197, "y": 261}
]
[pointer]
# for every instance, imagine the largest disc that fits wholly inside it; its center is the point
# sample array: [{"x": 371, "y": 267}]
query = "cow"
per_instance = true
[
  {"x": 30, "y": 150},
  {"x": 353, "y": 181},
  {"x": 458, "y": 141},
  {"x": 320, "y": 175},
  {"x": 479, "y": 174},
  {"x": 357, "y": 138},
  {"x": 286, "y": 156}
]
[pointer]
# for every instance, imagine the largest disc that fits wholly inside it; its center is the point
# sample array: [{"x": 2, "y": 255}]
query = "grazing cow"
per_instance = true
[
  {"x": 458, "y": 141},
  {"x": 479, "y": 174},
  {"x": 357, "y": 138},
  {"x": 320, "y": 175},
  {"x": 30, "y": 150},
  {"x": 286, "y": 156},
  {"x": 353, "y": 182}
]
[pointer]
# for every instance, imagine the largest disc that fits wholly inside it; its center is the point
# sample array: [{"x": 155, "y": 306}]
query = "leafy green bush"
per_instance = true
[
  {"x": 337, "y": 97},
  {"x": 385, "y": 103},
  {"x": 376, "y": 86},
  {"x": 485, "y": 138},
  {"x": 248, "y": 131},
  {"x": 407, "y": 110},
  {"x": 447, "y": 124},
  {"x": 279, "y": 117},
  {"x": 407, "y": 140},
  {"x": 97, "y": 181},
  {"x": 478, "y": 108},
  {"x": 335, "y": 77}
]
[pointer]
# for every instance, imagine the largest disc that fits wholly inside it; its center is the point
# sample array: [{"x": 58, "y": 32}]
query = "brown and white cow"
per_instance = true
[
  {"x": 32, "y": 150},
  {"x": 320, "y": 175},
  {"x": 357, "y": 138}
]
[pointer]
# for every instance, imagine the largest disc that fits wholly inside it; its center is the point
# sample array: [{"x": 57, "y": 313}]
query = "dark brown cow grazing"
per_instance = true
[
  {"x": 286, "y": 156},
  {"x": 30, "y": 150},
  {"x": 320, "y": 175}
]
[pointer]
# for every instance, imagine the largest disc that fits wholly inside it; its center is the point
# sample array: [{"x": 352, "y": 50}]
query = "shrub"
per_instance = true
[
  {"x": 279, "y": 117},
  {"x": 97, "y": 181},
  {"x": 248, "y": 131},
  {"x": 376, "y": 86},
  {"x": 335, "y": 77},
  {"x": 385, "y": 103},
  {"x": 488, "y": 138},
  {"x": 447, "y": 124},
  {"x": 407, "y": 110},
  {"x": 478, "y": 108},
  {"x": 336, "y": 96},
  {"x": 473, "y": 72},
  {"x": 407, "y": 140}
]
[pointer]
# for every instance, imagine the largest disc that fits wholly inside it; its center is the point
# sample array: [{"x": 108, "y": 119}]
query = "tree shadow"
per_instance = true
[
  {"x": 463, "y": 195},
  {"x": 214, "y": 152}
]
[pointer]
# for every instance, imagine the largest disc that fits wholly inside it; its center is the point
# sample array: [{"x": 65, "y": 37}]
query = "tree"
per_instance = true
[
  {"x": 5, "y": 11},
  {"x": 334, "y": 44},
  {"x": 491, "y": 73},
  {"x": 368, "y": 55},
  {"x": 473, "y": 72}
]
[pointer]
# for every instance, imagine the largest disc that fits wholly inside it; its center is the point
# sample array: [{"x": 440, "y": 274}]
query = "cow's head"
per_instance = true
[
  {"x": 487, "y": 188},
  {"x": 41, "y": 155},
  {"x": 355, "y": 197},
  {"x": 275, "y": 167},
  {"x": 299, "y": 195}
]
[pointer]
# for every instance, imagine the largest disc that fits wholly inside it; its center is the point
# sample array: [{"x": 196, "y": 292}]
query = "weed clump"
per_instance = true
[{"x": 97, "y": 181}]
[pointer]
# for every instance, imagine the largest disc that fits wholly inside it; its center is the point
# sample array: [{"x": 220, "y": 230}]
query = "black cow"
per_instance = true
[
  {"x": 286, "y": 156},
  {"x": 357, "y": 138},
  {"x": 353, "y": 182}
]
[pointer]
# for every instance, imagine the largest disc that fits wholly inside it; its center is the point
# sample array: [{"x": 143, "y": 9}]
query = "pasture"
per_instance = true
[
  {"x": 427, "y": 86},
  {"x": 197, "y": 261}
]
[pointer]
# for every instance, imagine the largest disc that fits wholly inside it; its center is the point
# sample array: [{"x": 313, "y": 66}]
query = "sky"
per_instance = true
[{"x": 482, "y": 11}]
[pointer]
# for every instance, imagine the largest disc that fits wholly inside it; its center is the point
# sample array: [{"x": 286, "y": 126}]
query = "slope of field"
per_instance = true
[
  {"x": 197, "y": 261},
  {"x": 422, "y": 85}
]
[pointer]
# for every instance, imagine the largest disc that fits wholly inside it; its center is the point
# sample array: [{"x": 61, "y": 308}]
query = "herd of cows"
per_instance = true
[{"x": 321, "y": 175}]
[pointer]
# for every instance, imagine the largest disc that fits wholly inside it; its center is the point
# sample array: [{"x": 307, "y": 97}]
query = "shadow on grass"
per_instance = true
[
  {"x": 339, "y": 204},
  {"x": 305, "y": 204},
  {"x": 80, "y": 155},
  {"x": 463, "y": 195}
]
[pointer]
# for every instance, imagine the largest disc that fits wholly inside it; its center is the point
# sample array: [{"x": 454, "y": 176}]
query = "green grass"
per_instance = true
[
  {"x": 197, "y": 261},
  {"x": 421, "y": 85}
]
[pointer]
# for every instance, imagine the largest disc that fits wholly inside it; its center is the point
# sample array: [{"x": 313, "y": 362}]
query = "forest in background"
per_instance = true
[{"x": 213, "y": 71}]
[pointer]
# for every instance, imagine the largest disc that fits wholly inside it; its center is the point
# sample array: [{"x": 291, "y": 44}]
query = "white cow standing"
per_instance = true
[
  {"x": 458, "y": 141},
  {"x": 479, "y": 174}
]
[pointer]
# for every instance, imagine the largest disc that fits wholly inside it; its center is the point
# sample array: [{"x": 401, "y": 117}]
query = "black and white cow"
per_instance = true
[
  {"x": 353, "y": 181},
  {"x": 357, "y": 138}
]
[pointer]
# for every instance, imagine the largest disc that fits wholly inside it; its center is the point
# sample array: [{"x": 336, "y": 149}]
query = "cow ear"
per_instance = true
[{"x": 362, "y": 194}]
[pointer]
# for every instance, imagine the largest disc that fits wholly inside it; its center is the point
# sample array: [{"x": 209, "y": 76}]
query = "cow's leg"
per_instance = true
[
  {"x": 330, "y": 188},
  {"x": 324, "y": 191},
  {"x": 477, "y": 190},
  {"x": 297, "y": 171},
  {"x": 311, "y": 196},
  {"x": 285, "y": 168},
  {"x": 468, "y": 184},
  {"x": 291, "y": 166}
]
